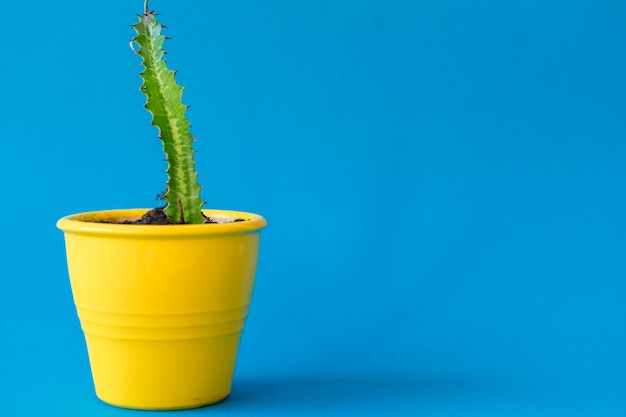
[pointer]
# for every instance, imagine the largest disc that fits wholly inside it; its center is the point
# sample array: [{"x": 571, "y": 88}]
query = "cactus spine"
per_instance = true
[{"x": 164, "y": 102}]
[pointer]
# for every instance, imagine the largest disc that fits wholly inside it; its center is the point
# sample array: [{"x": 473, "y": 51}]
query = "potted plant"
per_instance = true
[{"x": 163, "y": 294}]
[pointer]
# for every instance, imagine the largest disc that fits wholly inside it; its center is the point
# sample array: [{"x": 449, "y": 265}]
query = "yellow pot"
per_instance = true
[{"x": 162, "y": 307}]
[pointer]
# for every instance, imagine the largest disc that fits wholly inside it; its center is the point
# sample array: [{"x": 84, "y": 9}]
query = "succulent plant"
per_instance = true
[{"x": 164, "y": 102}]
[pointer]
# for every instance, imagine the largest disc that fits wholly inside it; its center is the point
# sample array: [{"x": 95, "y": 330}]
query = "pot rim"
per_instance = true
[{"x": 87, "y": 223}]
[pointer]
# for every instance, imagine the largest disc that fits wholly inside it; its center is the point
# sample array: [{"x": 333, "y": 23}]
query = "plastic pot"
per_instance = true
[{"x": 162, "y": 307}]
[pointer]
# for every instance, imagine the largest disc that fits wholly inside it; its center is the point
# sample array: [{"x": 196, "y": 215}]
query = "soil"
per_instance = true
[
  {"x": 154, "y": 216},
  {"x": 157, "y": 216}
]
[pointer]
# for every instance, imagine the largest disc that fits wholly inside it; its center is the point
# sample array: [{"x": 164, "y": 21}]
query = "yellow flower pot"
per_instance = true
[{"x": 162, "y": 307}]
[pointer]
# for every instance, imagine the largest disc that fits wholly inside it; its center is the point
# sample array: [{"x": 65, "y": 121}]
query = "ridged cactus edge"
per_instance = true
[{"x": 165, "y": 104}]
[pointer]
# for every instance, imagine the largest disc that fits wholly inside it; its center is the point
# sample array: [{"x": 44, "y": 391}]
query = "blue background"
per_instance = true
[{"x": 443, "y": 181}]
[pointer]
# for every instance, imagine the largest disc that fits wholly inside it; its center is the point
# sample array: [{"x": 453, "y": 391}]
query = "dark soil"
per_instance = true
[
  {"x": 154, "y": 216},
  {"x": 157, "y": 216}
]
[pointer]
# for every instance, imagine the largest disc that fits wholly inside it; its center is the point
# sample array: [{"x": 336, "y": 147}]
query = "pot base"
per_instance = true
[
  {"x": 158, "y": 375},
  {"x": 199, "y": 404}
]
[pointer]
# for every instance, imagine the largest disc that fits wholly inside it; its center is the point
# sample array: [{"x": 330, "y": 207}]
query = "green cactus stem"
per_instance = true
[{"x": 164, "y": 102}]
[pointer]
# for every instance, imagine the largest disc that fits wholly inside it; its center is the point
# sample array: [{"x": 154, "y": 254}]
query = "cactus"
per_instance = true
[{"x": 164, "y": 102}]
